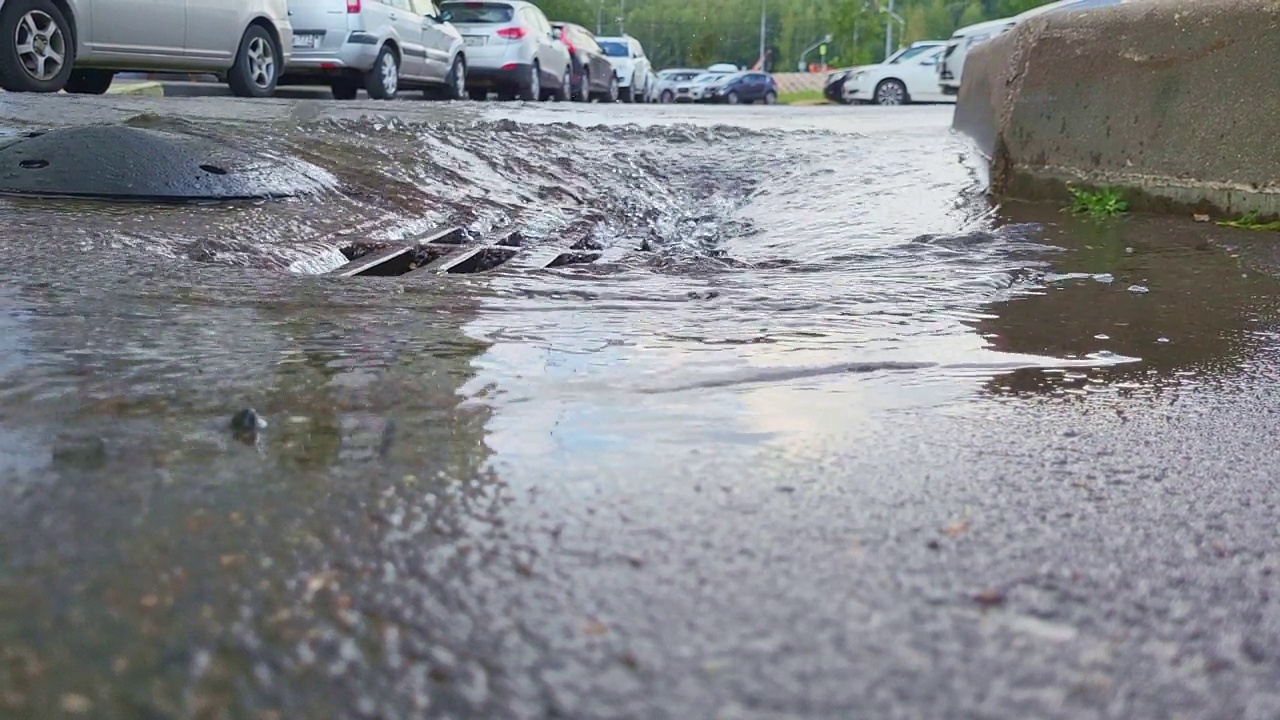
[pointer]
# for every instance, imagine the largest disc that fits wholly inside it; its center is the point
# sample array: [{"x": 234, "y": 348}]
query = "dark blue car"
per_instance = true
[{"x": 746, "y": 87}]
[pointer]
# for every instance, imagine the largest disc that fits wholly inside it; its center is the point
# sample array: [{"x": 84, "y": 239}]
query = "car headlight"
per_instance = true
[{"x": 858, "y": 75}]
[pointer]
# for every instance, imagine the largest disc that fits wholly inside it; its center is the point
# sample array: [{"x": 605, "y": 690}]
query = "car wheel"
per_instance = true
[
  {"x": 456, "y": 80},
  {"x": 626, "y": 94},
  {"x": 42, "y": 53},
  {"x": 668, "y": 96},
  {"x": 771, "y": 98},
  {"x": 89, "y": 82},
  {"x": 257, "y": 66},
  {"x": 891, "y": 92},
  {"x": 479, "y": 95},
  {"x": 344, "y": 89},
  {"x": 566, "y": 85},
  {"x": 584, "y": 88},
  {"x": 732, "y": 98},
  {"x": 382, "y": 81},
  {"x": 611, "y": 96},
  {"x": 531, "y": 89}
]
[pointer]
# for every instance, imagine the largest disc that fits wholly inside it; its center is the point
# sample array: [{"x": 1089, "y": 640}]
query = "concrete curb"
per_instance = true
[
  {"x": 148, "y": 88},
  {"x": 1171, "y": 101}
]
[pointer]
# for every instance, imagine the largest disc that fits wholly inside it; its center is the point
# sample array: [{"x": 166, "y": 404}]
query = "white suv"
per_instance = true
[
  {"x": 512, "y": 50},
  {"x": 381, "y": 45},
  {"x": 631, "y": 66}
]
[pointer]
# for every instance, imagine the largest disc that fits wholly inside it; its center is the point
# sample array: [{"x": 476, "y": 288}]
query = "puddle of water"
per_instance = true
[{"x": 750, "y": 289}]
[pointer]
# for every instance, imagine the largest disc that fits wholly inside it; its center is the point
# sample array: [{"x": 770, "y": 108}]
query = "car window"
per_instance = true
[
  {"x": 476, "y": 12},
  {"x": 909, "y": 53},
  {"x": 612, "y": 48}
]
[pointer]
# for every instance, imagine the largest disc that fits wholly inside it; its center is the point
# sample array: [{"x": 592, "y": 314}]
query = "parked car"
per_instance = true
[
  {"x": 510, "y": 50},
  {"x": 672, "y": 78},
  {"x": 964, "y": 40},
  {"x": 909, "y": 75},
  {"x": 631, "y": 65},
  {"x": 79, "y": 46},
  {"x": 746, "y": 87},
  {"x": 695, "y": 90},
  {"x": 593, "y": 75},
  {"x": 384, "y": 46},
  {"x": 724, "y": 68},
  {"x": 651, "y": 87},
  {"x": 833, "y": 86}
]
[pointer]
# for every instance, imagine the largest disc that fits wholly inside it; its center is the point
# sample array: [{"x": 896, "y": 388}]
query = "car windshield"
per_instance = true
[
  {"x": 476, "y": 12},
  {"x": 909, "y": 53},
  {"x": 614, "y": 49}
]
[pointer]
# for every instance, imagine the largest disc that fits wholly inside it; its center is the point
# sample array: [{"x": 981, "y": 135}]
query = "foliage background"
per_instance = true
[{"x": 700, "y": 32}]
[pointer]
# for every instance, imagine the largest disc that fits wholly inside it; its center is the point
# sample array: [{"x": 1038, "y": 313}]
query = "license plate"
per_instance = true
[
  {"x": 472, "y": 40},
  {"x": 306, "y": 41}
]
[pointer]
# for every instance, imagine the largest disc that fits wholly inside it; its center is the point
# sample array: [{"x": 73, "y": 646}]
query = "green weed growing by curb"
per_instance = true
[
  {"x": 1102, "y": 203},
  {"x": 1250, "y": 222}
]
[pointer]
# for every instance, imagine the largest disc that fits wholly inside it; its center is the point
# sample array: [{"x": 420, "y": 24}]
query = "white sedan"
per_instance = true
[{"x": 909, "y": 75}]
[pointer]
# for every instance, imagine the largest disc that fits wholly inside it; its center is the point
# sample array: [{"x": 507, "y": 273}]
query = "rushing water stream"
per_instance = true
[{"x": 765, "y": 287}]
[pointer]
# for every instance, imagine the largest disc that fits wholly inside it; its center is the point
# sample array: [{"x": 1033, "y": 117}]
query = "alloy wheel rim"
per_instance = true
[
  {"x": 262, "y": 62},
  {"x": 890, "y": 94},
  {"x": 459, "y": 78},
  {"x": 41, "y": 45},
  {"x": 390, "y": 74},
  {"x": 535, "y": 84}
]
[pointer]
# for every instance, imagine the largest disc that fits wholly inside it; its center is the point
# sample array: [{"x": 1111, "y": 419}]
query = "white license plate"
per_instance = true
[
  {"x": 471, "y": 40},
  {"x": 306, "y": 41}
]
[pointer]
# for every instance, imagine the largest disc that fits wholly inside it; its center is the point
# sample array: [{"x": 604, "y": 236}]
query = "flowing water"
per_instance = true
[{"x": 766, "y": 285}]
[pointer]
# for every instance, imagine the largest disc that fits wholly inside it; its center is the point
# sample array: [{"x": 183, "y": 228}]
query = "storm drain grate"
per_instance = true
[{"x": 444, "y": 251}]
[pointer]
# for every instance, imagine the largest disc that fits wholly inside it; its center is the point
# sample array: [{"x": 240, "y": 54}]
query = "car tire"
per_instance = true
[
  {"x": 584, "y": 88},
  {"x": 257, "y": 67},
  {"x": 455, "y": 83},
  {"x": 89, "y": 82},
  {"x": 566, "y": 85},
  {"x": 344, "y": 89},
  {"x": 668, "y": 97},
  {"x": 626, "y": 95},
  {"x": 610, "y": 95},
  {"x": 382, "y": 81},
  {"x": 531, "y": 88},
  {"x": 771, "y": 98},
  {"x": 49, "y": 22},
  {"x": 732, "y": 98},
  {"x": 891, "y": 92}
]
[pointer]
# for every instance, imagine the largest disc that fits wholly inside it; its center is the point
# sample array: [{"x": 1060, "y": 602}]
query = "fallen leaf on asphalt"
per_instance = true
[
  {"x": 956, "y": 528},
  {"x": 990, "y": 597},
  {"x": 594, "y": 628},
  {"x": 1200, "y": 218},
  {"x": 75, "y": 704}
]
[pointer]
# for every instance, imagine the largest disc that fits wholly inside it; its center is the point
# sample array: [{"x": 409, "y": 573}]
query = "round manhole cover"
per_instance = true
[{"x": 125, "y": 163}]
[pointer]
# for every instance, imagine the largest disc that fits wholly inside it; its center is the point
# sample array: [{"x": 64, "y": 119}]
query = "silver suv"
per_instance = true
[
  {"x": 381, "y": 45},
  {"x": 79, "y": 45},
  {"x": 512, "y": 50}
]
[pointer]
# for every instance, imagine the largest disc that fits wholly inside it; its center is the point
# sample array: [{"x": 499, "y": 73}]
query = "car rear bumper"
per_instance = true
[
  {"x": 358, "y": 51},
  {"x": 508, "y": 75}
]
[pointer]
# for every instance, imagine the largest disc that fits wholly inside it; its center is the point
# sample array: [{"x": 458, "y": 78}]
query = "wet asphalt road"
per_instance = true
[{"x": 626, "y": 494}]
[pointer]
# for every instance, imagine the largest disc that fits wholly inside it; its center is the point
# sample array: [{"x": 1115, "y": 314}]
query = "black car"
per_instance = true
[
  {"x": 833, "y": 90},
  {"x": 747, "y": 87},
  {"x": 593, "y": 75}
]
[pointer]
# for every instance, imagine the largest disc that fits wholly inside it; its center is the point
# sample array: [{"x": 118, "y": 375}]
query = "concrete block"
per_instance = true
[{"x": 1171, "y": 100}]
